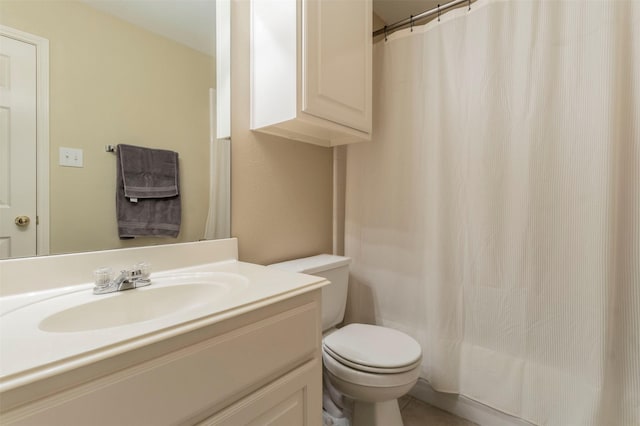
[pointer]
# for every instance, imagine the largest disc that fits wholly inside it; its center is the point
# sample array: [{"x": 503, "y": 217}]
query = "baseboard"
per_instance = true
[{"x": 464, "y": 407}]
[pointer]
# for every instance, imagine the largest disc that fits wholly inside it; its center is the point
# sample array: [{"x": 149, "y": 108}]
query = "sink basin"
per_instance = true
[{"x": 169, "y": 296}]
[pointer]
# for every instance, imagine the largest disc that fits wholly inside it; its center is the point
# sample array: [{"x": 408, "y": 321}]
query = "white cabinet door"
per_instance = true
[
  {"x": 337, "y": 63},
  {"x": 292, "y": 400}
]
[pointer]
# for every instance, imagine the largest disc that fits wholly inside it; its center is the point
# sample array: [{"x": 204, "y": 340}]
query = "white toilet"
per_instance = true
[{"x": 372, "y": 365}]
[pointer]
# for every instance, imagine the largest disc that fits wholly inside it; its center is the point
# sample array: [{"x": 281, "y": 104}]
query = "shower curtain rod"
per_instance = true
[{"x": 388, "y": 29}]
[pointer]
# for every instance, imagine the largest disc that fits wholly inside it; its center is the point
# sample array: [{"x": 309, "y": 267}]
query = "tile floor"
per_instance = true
[{"x": 417, "y": 413}]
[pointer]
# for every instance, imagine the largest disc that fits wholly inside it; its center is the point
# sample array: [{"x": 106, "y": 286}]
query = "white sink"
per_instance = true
[
  {"x": 166, "y": 296},
  {"x": 132, "y": 306}
]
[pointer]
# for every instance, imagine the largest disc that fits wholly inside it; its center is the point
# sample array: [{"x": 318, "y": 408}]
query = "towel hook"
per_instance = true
[
  {"x": 438, "y": 12},
  {"x": 411, "y": 21},
  {"x": 110, "y": 148}
]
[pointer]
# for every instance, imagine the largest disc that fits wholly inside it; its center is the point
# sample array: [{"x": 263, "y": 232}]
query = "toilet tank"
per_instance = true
[{"x": 334, "y": 296}]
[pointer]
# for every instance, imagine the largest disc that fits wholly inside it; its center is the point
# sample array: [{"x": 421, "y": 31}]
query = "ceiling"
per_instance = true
[
  {"x": 190, "y": 22},
  {"x": 391, "y": 11}
]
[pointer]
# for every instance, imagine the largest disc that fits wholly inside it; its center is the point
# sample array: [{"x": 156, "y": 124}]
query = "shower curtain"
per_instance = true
[
  {"x": 495, "y": 215},
  {"x": 218, "y": 224}
]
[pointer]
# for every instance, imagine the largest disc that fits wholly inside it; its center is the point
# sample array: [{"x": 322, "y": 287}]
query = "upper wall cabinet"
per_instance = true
[{"x": 311, "y": 69}]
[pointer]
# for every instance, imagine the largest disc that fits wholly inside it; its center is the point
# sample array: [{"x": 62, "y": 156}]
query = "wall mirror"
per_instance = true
[{"x": 121, "y": 71}]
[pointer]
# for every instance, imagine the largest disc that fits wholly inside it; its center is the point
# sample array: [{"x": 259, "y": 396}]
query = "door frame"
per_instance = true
[{"x": 42, "y": 132}]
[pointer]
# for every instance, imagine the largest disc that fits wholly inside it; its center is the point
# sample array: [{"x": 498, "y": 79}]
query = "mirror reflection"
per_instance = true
[{"x": 118, "y": 74}]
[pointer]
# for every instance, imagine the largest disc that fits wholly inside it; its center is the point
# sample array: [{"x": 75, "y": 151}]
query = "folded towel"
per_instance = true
[
  {"x": 148, "y": 173},
  {"x": 147, "y": 192}
]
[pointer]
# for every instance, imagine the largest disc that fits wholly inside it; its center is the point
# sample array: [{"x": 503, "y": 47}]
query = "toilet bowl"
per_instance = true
[{"x": 372, "y": 365}]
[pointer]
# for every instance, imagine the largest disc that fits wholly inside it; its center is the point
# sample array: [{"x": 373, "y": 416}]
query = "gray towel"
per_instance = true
[
  {"x": 147, "y": 192},
  {"x": 148, "y": 173}
]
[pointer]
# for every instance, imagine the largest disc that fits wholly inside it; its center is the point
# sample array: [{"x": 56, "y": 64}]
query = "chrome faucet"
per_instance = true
[{"x": 137, "y": 276}]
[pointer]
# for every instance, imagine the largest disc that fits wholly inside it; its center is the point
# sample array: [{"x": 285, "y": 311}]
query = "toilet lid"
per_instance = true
[{"x": 373, "y": 346}]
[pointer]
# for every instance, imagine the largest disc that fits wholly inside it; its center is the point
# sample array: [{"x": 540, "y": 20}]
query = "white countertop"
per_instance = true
[{"x": 27, "y": 353}]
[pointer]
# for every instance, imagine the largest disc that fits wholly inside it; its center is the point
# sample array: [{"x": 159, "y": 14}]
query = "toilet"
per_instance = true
[{"x": 370, "y": 364}]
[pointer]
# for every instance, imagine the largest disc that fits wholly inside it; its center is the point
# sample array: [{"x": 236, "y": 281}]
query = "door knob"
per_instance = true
[{"x": 22, "y": 220}]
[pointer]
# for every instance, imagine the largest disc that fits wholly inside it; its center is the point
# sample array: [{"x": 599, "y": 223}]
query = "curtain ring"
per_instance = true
[
  {"x": 385, "y": 33},
  {"x": 469, "y": 4},
  {"x": 438, "y": 13},
  {"x": 411, "y": 21}
]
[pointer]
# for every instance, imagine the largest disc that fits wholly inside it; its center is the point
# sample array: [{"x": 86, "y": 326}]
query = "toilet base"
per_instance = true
[{"x": 385, "y": 413}]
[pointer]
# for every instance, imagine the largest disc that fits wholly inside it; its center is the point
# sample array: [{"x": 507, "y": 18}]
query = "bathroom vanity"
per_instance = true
[{"x": 212, "y": 341}]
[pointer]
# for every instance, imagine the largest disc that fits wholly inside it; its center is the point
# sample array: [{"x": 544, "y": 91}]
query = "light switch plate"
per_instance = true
[{"x": 70, "y": 157}]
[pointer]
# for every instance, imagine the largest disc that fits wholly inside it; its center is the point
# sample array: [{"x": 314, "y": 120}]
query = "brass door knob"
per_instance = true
[{"x": 22, "y": 220}]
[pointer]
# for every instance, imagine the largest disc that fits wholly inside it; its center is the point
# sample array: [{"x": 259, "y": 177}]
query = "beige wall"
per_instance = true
[
  {"x": 281, "y": 190},
  {"x": 377, "y": 22},
  {"x": 110, "y": 83}
]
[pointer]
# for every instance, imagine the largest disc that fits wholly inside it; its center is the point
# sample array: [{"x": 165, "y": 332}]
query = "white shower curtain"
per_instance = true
[
  {"x": 218, "y": 223},
  {"x": 495, "y": 215}
]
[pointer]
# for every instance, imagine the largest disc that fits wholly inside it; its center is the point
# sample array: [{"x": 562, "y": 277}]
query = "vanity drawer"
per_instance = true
[{"x": 193, "y": 382}]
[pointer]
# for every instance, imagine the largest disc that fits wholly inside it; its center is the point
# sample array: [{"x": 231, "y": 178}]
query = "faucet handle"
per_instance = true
[
  {"x": 103, "y": 276},
  {"x": 142, "y": 271}
]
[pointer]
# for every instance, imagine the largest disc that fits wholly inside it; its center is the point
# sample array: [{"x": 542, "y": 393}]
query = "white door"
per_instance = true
[{"x": 17, "y": 148}]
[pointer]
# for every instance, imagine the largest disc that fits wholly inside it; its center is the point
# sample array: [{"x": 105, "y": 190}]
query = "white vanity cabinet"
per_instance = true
[
  {"x": 311, "y": 69},
  {"x": 260, "y": 367}
]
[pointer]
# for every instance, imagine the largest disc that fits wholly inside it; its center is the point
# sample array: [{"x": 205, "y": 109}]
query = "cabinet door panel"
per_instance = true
[
  {"x": 294, "y": 399},
  {"x": 288, "y": 412},
  {"x": 337, "y": 61}
]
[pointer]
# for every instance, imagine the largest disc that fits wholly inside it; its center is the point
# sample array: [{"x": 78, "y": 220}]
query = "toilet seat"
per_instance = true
[
  {"x": 367, "y": 368},
  {"x": 369, "y": 379},
  {"x": 373, "y": 349}
]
